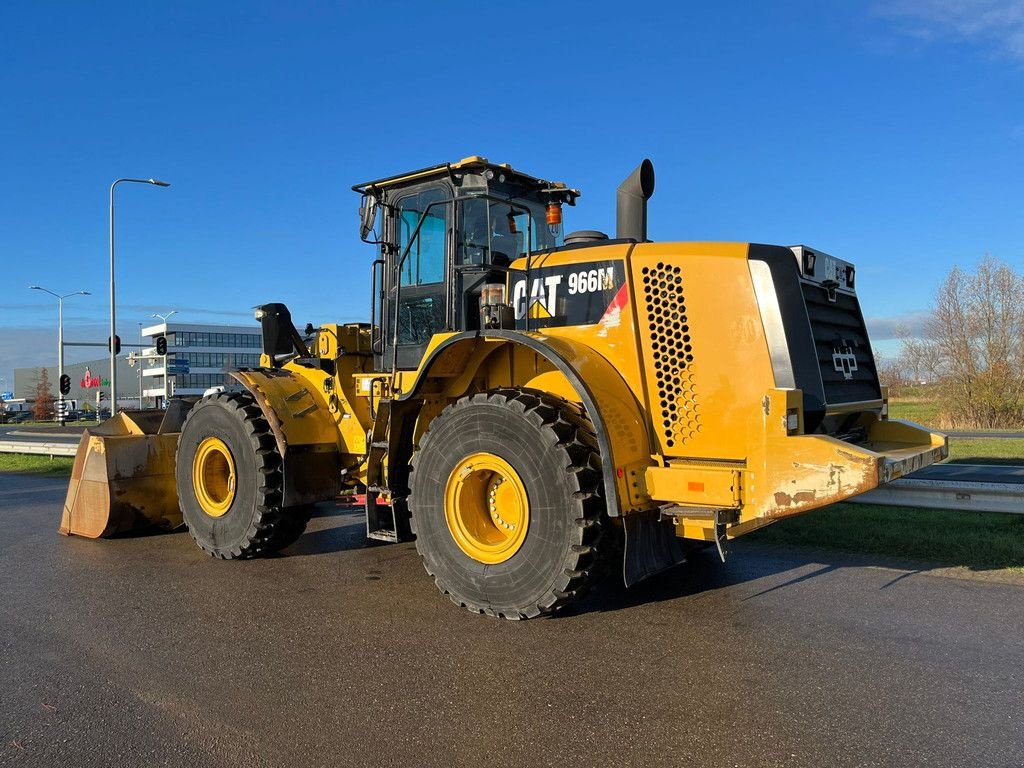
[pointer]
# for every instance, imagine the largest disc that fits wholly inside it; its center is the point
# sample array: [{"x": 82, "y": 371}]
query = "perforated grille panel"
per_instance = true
[{"x": 673, "y": 354}]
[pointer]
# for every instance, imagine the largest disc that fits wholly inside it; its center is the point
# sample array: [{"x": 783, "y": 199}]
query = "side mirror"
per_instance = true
[{"x": 367, "y": 216}]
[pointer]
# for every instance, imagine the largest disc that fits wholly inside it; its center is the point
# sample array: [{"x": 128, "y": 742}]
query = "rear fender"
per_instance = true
[{"x": 579, "y": 374}]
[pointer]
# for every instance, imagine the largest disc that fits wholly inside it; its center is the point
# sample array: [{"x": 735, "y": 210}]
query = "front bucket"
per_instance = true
[{"x": 123, "y": 478}]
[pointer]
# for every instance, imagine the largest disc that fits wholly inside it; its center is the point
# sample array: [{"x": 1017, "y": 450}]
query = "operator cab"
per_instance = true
[{"x": 447, "y": 235}]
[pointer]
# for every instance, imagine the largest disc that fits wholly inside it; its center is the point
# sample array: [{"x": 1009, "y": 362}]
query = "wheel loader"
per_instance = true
[{"x": 532, "y": 408}]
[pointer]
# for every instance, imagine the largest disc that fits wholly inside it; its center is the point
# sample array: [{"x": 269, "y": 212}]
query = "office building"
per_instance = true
[{"x": 197, "y": 357}]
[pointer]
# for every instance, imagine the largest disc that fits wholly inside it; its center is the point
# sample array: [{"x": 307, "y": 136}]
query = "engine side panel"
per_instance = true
[{"x": 705, "y": 357}]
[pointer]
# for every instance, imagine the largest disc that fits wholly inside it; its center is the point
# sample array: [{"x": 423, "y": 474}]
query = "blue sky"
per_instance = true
[{"x": 890, "y": 134}]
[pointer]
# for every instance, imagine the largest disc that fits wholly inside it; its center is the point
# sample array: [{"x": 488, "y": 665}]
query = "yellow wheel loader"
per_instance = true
[{"x": 532, "y": 408}]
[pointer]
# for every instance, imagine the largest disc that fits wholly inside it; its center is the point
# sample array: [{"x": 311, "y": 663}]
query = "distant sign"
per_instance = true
[
  {"x": 6, "y": 395},
  {"x": 92, "y": 382}
]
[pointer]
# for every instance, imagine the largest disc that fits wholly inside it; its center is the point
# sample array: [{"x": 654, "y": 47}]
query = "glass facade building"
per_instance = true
[{"x": 198, "y": 357}]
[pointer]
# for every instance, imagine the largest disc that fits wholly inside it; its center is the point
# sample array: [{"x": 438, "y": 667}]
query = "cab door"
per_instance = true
[{"x": 417, "y": 299}]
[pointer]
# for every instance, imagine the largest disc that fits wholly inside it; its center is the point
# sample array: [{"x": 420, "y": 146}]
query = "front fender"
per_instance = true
[{"x": 303, "y": 429}]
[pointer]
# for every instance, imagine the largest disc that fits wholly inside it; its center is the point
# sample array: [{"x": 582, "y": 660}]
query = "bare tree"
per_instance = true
[
  {"x": 43, "y": 407},
  {"x": 892, "y": 372},
  {"x": 974, "y": 346}
]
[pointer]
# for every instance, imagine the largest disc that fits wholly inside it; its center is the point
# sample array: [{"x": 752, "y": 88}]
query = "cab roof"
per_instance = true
[{"x": 471, "y": 164}]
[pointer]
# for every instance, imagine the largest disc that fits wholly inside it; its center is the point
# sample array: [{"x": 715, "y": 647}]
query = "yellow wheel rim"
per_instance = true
[
  {"x": 213, "y": 477},
  {"x": 486, "y": 508}
]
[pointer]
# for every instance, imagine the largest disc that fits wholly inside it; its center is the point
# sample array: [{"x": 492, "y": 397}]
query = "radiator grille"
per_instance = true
[
  {"x": 673, "y": 354},
  {"x": 848, "y": 372}
]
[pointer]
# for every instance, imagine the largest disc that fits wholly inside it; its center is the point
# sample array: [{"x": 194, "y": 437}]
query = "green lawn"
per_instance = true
[
  {"x": 976, "y": 540},
  {"x": 963, "y": 451},
  {"x": 992, "y": 450},
  {"x": 924, "y": 412},
  {"x": 58, "y": 466}
]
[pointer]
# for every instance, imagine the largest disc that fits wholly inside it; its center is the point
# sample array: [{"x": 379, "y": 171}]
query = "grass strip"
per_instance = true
[
  {"x": 976, "y": 540},
  {"x": 997, "y": 450},
  {"x": 920, "y": 411},
  {"x": 58, "y": 466}
]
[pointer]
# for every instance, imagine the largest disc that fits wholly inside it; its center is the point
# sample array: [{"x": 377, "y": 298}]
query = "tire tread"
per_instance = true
[
  {"x": 574, "y": 434},
  {"x": 272, "y": 527}
]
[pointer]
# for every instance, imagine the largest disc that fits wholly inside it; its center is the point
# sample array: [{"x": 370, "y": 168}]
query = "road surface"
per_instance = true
[
  {"x": 971, "y": 473},
  {"x": 30, "y": 434},
  {"x": 143, "y": 652}
]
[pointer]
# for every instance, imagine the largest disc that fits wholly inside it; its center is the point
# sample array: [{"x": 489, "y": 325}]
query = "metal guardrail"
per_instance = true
[
  {"x": 44, "y": 449},
  {"x": 943, "y": 494}
]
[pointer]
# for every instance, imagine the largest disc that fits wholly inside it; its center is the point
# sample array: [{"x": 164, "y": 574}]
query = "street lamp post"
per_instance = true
[
  {"x": 140, "y": 366},
  {"x": 113, "y": 316},
  {"x": 60, "y": 340},
  {"x": 167, "y": 383}
]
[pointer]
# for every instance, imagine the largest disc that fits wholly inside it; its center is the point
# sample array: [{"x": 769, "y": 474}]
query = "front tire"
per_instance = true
[
  {"x": 229, "y": 479},
  {"x": 505, "y": 501}
]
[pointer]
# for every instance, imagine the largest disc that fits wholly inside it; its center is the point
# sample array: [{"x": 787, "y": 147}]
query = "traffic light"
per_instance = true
[
  {"x": 161, "y": 345},
  {"x": 65, "y": 384},
  {"x": 117, "y": 344}
]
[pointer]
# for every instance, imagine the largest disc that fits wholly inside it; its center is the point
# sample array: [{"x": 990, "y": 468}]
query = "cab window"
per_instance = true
[
  {"x": 425, "y": 261},
  {"x": 496, "y": 233}
]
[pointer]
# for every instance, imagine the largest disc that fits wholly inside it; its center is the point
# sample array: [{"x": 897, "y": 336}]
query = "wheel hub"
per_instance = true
[
  {"x": 213, "y": 477},
  {"x": 486, "y": 508}
]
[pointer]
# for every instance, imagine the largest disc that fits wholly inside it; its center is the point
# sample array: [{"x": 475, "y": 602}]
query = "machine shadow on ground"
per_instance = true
[{"x": 337, "y": 528}]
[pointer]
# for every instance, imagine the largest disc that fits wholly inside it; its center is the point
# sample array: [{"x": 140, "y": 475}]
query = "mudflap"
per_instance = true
[{"x": 651, "y": 546}]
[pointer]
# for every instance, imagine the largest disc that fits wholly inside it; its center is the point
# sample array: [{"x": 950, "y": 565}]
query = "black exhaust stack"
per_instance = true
[{"x": 631, "y": 203}]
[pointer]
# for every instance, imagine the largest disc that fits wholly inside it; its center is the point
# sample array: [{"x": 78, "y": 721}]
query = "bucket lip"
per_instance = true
[{"x": 129, "y": 424}]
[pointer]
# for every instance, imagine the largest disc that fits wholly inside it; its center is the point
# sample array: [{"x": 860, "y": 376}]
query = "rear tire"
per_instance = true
[
  {"x": 229, "y": 479},
  {"x": 546, "y": 449}
]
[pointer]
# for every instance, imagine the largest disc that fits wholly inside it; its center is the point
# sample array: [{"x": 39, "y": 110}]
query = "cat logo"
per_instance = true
[
  {"x": 539, "y": 311},
  {"x": 843, "y": 359},
  {"x": 542, "y": 298}
]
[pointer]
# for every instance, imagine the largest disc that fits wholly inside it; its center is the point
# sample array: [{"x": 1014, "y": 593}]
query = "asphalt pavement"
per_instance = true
[
  {"x": 22, "y": 433},
  {"x": 971, "y": 473},
  {"x": 143, "y": 652}
]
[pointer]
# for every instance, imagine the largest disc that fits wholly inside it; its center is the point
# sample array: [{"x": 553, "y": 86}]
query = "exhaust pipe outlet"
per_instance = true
[{"x": 631, "y": 203}]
